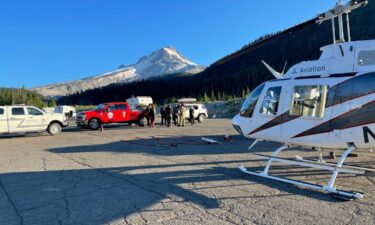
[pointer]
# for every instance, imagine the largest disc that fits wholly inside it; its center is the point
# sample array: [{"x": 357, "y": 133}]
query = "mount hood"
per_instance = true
[{"x": 161, "y": 62}]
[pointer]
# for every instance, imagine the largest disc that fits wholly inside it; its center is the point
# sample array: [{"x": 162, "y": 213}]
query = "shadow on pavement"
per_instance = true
[
  {"x": 99, "y": 196},
  {"x": 170, "y": 146}
]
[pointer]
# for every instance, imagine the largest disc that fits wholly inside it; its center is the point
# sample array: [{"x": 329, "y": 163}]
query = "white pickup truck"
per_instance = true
[{"x": 27, "y": 119}]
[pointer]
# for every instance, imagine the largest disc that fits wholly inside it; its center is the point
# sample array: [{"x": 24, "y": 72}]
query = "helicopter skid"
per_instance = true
[
  {"x": 347, "y": 194},
  {"x": 329, "y": 188}
]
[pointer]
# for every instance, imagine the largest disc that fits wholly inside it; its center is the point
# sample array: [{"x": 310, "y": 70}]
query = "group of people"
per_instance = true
[
  {"x": 176, "y": 115},
  {"x": 169, "y": 115},
  {"x": 150, "y": 114}
]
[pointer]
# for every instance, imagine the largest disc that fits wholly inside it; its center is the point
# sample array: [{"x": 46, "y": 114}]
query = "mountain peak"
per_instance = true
[
  {"x": 166, "y": 60},
  {"x": 169, "y": 47}
]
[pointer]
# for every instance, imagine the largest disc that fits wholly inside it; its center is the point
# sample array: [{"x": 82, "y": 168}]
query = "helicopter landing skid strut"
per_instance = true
[{"x": 329, "y": 188}]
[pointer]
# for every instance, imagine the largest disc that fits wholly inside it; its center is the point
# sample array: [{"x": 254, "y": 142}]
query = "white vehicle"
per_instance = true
[
  {"x": 200, "y": 111},
  {"x": 28, "y": 119},
  {"x": 140, "y": 101},
  {"x": 327, "y": 104},
  {"x": 68, "y": 111},
  {"x": 49, "y": 110}
]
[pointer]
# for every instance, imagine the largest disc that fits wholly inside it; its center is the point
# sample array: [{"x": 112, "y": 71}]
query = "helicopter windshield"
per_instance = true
[{"x": 248, "y": 106}]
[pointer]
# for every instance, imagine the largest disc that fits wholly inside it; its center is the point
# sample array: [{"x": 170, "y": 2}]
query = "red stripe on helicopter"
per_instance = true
[
  {"x": 360, "y": 116},
  {"x": 283, "y": 118}
]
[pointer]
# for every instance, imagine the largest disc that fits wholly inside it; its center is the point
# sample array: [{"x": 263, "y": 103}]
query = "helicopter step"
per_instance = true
[{"x": 329, "y": 187}]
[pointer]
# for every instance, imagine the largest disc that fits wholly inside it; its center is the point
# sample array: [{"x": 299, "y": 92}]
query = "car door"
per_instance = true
[
  {"x": 3, "y": 121},
  {"x": 17, "y": 119},
  {"x": 35, "y": 119},
  {"x": 111, "y": 114},
  {"x": 121, "y": 113},
  {"x": 196, "y": 111}
]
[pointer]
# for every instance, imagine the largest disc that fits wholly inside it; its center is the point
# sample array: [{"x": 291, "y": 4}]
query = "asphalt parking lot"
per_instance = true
[{"x": 133, "y": 175}]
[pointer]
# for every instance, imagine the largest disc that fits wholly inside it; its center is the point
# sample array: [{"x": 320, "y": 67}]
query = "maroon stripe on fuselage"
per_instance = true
[
  {"x": 283, "y": 118},
  {"x": 360, "y": 116}
]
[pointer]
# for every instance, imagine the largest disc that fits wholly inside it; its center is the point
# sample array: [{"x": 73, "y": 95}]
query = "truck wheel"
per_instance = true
[
  {"x": 201, "y": 117},
  {"x": 54, "y": 129},
  {"x": 142, "y": 122},
  {"x": 94, "y": 124}
]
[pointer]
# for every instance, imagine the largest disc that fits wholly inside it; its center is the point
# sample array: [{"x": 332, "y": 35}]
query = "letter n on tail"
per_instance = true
[{"x": 366, "y": 133}]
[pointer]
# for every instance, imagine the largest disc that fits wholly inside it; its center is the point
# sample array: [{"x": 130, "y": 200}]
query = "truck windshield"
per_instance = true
[{"x": 100, "y": 107}]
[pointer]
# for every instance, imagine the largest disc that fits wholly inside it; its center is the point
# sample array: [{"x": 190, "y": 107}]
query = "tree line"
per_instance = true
[{"x": 14, "y": 96}]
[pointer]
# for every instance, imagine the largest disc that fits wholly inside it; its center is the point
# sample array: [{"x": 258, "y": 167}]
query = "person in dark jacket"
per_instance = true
[
  {"x": 191, "y": 115},
  {"x": 168, "y": 115},
  {"x": 147, "y": 115},
  {"x": 175, "y": 115},
  {"x": 163, "y": 116},
  {"x": 152, "y": 115}
]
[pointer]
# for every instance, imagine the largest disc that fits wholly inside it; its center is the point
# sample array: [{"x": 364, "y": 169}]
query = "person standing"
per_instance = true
[
  {"x": 162, "y": 114},
  {"x": 175, "y": 115},
  {"x": 147, "y": 115},
  {"x": 191, "y": 115},
  {"x": 152, "y": 115},
  {"x": 182, "y": 115},
  {"x": 168, "y": 115}
]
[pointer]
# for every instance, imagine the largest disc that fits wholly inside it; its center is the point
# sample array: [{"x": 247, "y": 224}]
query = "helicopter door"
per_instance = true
[
  {"x": 266, "y": 112},
  {"x": 307, "y": 112}
]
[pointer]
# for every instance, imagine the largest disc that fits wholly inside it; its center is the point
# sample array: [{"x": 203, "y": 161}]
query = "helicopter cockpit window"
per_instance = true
[
  {"x": 309, "y": 101},
  {"x": 366, "y": 58},
  {"x": 270, "y": 102},
  {"x": 248, "y": 106}
]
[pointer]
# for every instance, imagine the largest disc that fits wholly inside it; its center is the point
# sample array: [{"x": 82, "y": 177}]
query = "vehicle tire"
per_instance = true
[
  {"x": 142, "y": 121},
  {"x": 201, "y": 117},
  {"x": 94, "y": 124},
  {"x": 54, "y": 129}
]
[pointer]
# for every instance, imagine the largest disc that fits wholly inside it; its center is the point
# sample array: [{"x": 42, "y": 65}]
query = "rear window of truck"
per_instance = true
[
  {"x": 121, "y": 107},
  {"x": 18, "y": 111},
  {"x": 1, "y": 111}
]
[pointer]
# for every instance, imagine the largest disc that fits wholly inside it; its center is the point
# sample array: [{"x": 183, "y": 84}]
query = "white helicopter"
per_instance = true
[{"x": 327, "y": 104}]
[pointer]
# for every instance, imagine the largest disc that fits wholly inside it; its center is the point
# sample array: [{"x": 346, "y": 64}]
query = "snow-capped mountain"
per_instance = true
[{"x": 164, "y": 61}]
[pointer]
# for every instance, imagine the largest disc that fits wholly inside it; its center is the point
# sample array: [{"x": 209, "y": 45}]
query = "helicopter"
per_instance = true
[{"x": 325, "y": 104}]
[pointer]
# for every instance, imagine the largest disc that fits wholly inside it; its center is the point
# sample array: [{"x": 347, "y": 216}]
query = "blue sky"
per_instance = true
[{"x": 43, "y": 42}]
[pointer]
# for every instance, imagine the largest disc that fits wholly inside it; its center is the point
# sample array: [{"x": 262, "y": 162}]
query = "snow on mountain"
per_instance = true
[{"x": 164, "y": 61}]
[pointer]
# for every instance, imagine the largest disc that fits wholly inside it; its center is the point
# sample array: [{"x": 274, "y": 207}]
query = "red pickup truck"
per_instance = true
[{"x": 112, "y": 112}]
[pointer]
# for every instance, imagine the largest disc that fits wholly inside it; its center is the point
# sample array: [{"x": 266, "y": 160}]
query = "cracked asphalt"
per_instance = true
[{"x": 133, "y": 175}]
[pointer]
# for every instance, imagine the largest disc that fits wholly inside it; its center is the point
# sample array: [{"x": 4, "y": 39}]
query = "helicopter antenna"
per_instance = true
[
  {"x": 338, "y": 11},
  {"x": 286, "y": 63}
]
